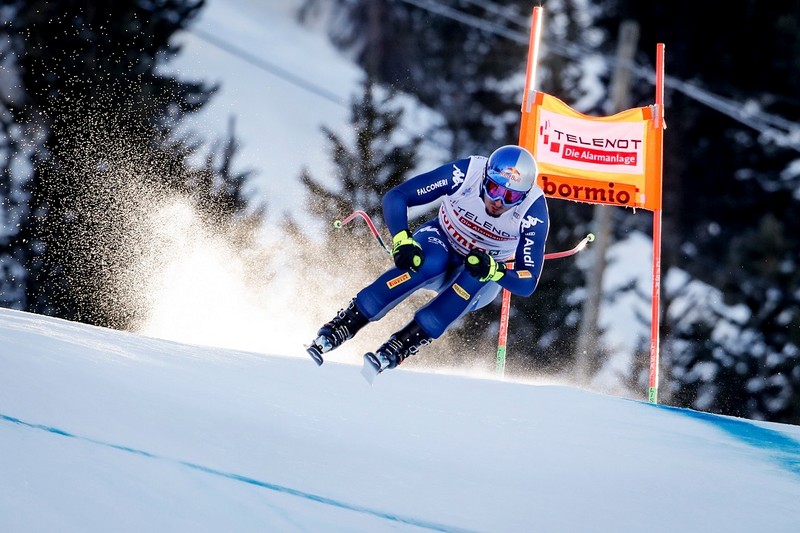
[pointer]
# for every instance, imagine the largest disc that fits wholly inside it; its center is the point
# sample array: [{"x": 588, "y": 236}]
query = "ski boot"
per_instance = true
[
  {"x": 394, "y": 351},
  {"x": 332, "y": 334}
]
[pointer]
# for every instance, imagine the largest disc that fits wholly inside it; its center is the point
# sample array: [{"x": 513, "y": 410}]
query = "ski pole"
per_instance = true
[
  {"x": 572, "y": 251},
  {"x": 368, "y": 220},
  {"x": 358, "y": 213}
]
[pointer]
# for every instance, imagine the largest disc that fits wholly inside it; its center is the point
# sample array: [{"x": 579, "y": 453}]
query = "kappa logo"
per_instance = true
[
  {"x": 531, "y": 221},
  {"x": 458, "y": 176}
]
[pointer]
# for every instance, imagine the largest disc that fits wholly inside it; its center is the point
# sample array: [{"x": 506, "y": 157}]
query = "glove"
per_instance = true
[
  {"x": 407, "y": 254},
  {"x": 483, "y": 266}
]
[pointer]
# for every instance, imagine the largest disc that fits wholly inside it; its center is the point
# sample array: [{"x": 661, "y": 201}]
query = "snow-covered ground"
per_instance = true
[{"x": 104, "y": 431}]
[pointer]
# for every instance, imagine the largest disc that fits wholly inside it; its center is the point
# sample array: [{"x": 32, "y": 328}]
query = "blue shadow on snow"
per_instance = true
[
  {"x": 244, "y": 479},
  {"x": 778, "y": 448}
]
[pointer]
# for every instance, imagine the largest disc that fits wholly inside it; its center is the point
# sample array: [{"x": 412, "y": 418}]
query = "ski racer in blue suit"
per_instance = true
[{"x": 491, "y": 211}]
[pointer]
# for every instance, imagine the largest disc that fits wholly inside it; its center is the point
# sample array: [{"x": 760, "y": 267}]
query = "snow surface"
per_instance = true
[{"x": 102, "y": 430}]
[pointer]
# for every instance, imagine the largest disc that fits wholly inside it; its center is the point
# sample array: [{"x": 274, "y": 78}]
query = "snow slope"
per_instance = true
[{"x": 103, "y": 431}]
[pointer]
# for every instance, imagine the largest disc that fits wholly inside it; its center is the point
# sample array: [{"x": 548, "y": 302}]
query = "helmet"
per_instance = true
[{"x": 512, "y": 167}]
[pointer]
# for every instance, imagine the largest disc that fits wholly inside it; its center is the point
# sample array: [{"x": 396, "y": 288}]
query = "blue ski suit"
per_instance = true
[{"x": 462, "y": 225}]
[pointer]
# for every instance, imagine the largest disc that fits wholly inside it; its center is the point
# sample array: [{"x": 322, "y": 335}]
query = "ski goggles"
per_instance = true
[{"x": 495, "y": 191}]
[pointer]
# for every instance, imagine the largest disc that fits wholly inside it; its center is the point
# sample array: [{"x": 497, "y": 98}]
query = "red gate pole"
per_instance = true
[
  {"x": 652, "y": 390},
  {"x": 527, "y": 98}
]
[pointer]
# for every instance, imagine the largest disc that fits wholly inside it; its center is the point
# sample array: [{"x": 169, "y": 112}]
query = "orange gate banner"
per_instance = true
[{"x": 613, "y": 160}]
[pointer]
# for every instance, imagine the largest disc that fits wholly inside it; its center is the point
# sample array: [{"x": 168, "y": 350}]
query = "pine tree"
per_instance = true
[
  {"x": 336, "y": 263},
  {"x": 730, "y": 206},
  {"x": 16, "y": 249},
  {"x": 102, "y": 120},
  {"x": 367, "y": 168},
  {"x": 467, "y": 64}
]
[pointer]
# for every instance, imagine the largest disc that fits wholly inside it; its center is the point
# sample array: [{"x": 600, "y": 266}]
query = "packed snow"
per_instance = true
[{"x": 102, "y": 430}]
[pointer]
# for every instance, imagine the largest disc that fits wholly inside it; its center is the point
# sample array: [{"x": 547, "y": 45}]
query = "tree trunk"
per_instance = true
[{"x": 586, "y": 356}]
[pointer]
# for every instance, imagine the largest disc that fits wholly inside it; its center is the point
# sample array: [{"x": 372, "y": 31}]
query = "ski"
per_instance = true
[
  {"x": 371, "y": 367},
  {"x": 315, "y": 351}
]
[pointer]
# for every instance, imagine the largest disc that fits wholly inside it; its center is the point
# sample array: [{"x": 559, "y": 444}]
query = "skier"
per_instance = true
[{"x": 491, "y": 211}]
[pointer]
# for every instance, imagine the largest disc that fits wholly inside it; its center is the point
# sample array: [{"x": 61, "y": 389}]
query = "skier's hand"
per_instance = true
[
  {"x": 407, "y": 254},
  {"x": 483, "y": 266}
]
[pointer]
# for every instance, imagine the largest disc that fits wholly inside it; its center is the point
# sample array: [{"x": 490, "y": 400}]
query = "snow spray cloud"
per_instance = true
[
  {"x": 148, "y": 254},
  {"x": 140, "y": 247},
  {"x": 170, "y": 270}
]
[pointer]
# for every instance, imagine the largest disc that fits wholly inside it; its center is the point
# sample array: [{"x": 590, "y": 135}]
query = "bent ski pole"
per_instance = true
[
  {"x": 358, "y": 213},
  {"x": 572, "y": 251},
  {"x": 372, "y": 228}
]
